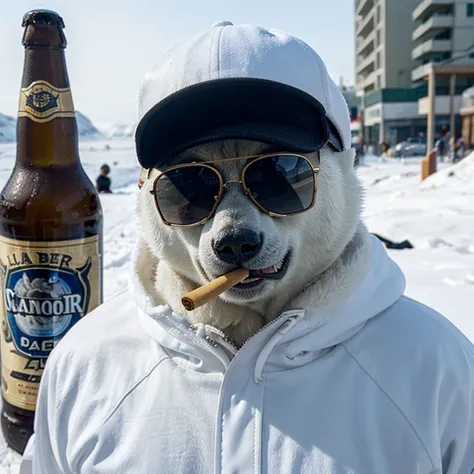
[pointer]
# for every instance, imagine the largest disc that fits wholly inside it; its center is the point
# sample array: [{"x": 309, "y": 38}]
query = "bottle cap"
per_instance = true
[{"x": 42, "y": 17}]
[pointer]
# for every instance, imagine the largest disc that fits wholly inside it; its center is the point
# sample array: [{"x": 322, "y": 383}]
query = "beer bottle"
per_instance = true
[{"x": 50, "y": 228}]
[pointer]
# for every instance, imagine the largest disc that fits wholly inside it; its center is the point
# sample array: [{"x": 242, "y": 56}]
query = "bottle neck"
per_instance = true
[{"x": 47, "y": 130}]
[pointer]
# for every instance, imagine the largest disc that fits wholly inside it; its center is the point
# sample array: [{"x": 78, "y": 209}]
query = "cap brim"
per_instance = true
[{"x": 252, "y": 109}]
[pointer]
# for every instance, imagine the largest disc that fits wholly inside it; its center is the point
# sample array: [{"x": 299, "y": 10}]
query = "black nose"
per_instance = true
[{"x": 237, "y": 246}]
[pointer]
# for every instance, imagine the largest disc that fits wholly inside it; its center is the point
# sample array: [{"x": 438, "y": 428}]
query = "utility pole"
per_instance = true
[
  {"x": 452, "y": 90},
  {"x": 431, "y": 109}
]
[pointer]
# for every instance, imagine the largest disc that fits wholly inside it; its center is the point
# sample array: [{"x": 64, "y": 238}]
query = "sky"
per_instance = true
[{"x": 112, "y": 43}]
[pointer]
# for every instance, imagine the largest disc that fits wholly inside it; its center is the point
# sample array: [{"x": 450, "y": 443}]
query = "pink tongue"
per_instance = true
[
  {"x": 249, "y": 280},
  {"x": 272, "y": 269}
]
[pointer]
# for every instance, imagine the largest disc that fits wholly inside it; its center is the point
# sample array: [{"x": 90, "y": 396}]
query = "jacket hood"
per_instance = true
[
  {"x": 292, "y": 339},
  {"x": 383, "y": 285}
]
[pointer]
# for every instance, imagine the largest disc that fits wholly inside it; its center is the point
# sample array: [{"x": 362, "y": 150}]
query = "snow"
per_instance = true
[
  {"x": 87, "y": 130},
  {"x": 437, "y": 217},
  {"x": 118, "y": 130},
  {"x": 7, "y": 129}
]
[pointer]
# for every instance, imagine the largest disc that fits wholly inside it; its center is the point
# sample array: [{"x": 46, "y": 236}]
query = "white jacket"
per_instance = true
[{"x": 382, "y": 385}]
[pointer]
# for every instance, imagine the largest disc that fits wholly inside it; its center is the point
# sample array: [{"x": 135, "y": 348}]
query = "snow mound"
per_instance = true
[
  {"x": 120, "y": 131},
  {"x": 86, "y": 128},
  {"x": 461, "y": 173},
  {"x": 7, "y": 129}
]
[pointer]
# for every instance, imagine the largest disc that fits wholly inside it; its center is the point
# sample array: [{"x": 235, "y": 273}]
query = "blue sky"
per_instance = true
[{"x": 111, "y": 44}]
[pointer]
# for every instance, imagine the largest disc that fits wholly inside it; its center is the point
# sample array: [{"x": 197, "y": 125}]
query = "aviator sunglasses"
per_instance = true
[{"x": 279, "y": 184}]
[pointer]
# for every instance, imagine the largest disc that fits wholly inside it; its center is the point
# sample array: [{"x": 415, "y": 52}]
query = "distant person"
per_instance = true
[
  {"x": 359, "y": 149},
  {"x": 103, "y": 182},
  {"x": 441, "y": 147},
  {"x": 452, "y": 148},
  {"x": 460, "y": 149}
]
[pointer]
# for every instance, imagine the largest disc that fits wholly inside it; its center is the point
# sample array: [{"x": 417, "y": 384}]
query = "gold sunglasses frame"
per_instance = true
[{"x": 223, "y": 185}]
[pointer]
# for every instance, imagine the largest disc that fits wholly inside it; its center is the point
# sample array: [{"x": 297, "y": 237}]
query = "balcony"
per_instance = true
[
  {"x": 366, "y": 25},
  {"x": 427, "y": 7},
  {"x": 364, "y": 6},
  {"x": 420, "y": 72},
  {"x": 370, "y": 80},
  {"x": 366, "y": 45},
  {"x": 431, "y": 48},
  {"x": 434, "y": 25},
  {"x": 441, "y": 105},
  {"x": 366, "y": 63}
]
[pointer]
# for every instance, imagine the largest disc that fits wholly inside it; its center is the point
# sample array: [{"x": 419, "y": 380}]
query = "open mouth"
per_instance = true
[{"x": 270, "y": 273}]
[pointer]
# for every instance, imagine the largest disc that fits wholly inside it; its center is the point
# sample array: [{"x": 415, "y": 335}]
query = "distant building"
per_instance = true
[
  {"x": 353, "y": 101},
  {"x": 383, "y": 63},
  {"x": 383, "y": 30},
  {"x": 396, "y": 40},
  {"x": 354, "y": 106},
  {"x": 443, "y": 31}
]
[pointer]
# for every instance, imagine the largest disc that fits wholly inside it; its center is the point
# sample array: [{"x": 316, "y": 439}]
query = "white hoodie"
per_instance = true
[{"x": 381, "y": 385}]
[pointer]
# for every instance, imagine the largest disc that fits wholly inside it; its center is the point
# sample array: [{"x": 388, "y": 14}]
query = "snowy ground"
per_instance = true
[{"x": 437, "y": 218}]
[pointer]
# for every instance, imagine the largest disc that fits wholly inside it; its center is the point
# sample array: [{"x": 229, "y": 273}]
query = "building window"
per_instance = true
[
  {"x": 354, "y": 112},
  {"x": 374, "y": 113},
  {"x": 444, "y": 35},
  {"x": 378, "y": 37},
  {"x": 378, "y": 60},
  {"x": 378, "y": 16},
  {"x": 441, "y": 57},
  {"x": 469, "y": 9},
  {"x": 445, "y": 11}
]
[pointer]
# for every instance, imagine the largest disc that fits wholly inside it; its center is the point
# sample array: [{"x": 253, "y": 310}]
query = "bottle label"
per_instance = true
[
  {"x": 47, "y": 287},
  {"x": 42, "y": 102}
]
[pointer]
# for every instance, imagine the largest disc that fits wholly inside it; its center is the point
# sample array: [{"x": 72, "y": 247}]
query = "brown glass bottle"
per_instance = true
[{"x": 50, "y": 227}]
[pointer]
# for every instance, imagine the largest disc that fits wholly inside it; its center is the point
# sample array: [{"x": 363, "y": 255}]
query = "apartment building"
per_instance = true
[
  {"x": 396, "y": 40},
  {"x": 443, "y": 31},
  {"x": 383, "y": 43}
]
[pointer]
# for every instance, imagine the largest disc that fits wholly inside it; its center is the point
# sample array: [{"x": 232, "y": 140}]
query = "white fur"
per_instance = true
[{"x": 330, "y": 246}]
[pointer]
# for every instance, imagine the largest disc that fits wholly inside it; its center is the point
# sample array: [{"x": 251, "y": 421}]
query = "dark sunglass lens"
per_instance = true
[
  {"x": 187, "y": 195},
  {"x": 283, "y": 184}
]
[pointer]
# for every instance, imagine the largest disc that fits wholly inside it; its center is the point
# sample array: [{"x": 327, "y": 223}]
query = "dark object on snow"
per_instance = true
[
  {"x": 103, "y": 181},
  {"x": 103, "y": 184},
  {"x": 359, "y": 155},
  {"x": 406, "y": 244}
]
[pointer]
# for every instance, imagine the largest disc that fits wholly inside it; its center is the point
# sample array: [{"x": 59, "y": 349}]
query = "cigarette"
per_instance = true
[{"x": 214, "y": 288}]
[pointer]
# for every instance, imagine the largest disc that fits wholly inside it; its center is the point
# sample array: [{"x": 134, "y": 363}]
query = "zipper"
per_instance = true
[
  {"x": 215, "y": 344},
  {"x": 201, "y": 342},
  {"x": 275, "y": 338},
  {"x": 210, "y": 341},
  {"x": 257, "y": 436},
  {"x": 266, "y": 326},
  {"x": 206, "y": 339}
]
